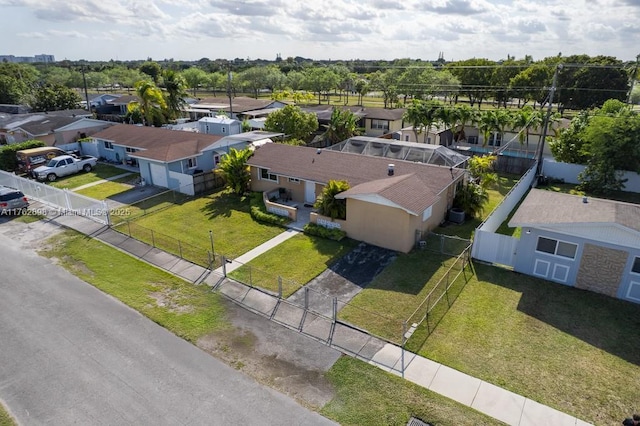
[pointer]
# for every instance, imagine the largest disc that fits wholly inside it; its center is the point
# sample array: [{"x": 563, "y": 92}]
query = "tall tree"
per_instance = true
[
  {"x": 152, "y": 69},
  {"x": 50, "y": 97},
  {"x": 195, "y": 77},
  {"x": 475, "y": 78},
  {"x": 320, "y": 80},
  {"x": 175, "y": 86},
  {"x": 292, "y": 121},
  {"x": 343, "y": 125},
  {"x": 151, "y": 102},
  {"x": 12, "y": 91}
]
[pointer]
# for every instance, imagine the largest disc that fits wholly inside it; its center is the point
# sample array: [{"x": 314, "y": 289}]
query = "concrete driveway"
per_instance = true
[
  {"x": 345, "y": 278},
  {"x": 72, "y": 355}
]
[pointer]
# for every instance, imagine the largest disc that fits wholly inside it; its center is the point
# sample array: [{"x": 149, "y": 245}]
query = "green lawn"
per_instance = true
[
  {"x": 396, "y": 293},
  {"x": 297, "y": 260},
  {"x": 99, "y": 172},
  {"x": 366, "y": 395},
  {"x": 106, "y": 189},
  {"x": 225, "y": 214},
  {"x": 187, "y": 310},
  {"x": 5, "y": 418},
  {"x": 570, "y": 349}
]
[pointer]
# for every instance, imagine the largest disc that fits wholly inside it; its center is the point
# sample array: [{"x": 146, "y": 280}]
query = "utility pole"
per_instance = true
[
  {"x": 633, "y": 79},
  {"x": 552, "y": 91},
  {"x": 229, "y": 76},
  {"x": 86, "y": 93}
]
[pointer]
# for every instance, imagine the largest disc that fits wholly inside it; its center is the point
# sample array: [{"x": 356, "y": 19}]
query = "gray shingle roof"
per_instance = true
[{"x": 542, "y": 207}]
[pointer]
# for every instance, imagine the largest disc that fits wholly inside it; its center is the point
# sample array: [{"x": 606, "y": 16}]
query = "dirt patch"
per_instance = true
[
  {"x": 169, "y": 299},
  {"x": 275, "y": 356}
]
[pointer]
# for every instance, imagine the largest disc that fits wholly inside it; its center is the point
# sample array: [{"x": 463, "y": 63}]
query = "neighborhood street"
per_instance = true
[{"x": 69, "y": 354}]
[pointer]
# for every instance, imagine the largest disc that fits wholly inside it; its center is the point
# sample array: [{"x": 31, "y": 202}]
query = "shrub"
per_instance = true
[
  {"x": 8, "y": 153},
  {"x": 259, "y": 212},
  {"x": 320, "y": 231}
]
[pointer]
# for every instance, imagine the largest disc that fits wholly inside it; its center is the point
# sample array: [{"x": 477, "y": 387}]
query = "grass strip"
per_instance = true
[{"x": 187, "y": 310}]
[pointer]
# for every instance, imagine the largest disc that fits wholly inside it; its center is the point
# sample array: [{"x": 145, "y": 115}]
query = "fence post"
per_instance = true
[
  {"x": 306, "y": 298},
  {"x": 404, "y": 340},
  {"x": 153, "y": 240},
  {"x": 209, "y": 258},
  {"x": 105, "y": 208},
  {"x": 279, "y": 287},
  {"x": 180, "y": 248},
  {"x": 224, "y": 266},
  {"x": 335, "y": 309},
  {"x": 250, "y": 278},
  {"x": 129, "y": 227}
]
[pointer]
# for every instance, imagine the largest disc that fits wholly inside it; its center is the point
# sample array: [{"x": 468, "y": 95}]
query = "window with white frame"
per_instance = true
[
  {"x": 294, "y": 180},
  {"x": 635, "y": 268},
  {"x": 108, "y": 145},
  {"x": 265, "y": 175},
  {"x": 427, "y": 213},
  {"x": 129, "y": 149},
  {"x": 216, "y": 159},
  {"x": 380, "y": 124},
  {"x": 556, "y": 247},
  {"x": 192, "y": 163}
]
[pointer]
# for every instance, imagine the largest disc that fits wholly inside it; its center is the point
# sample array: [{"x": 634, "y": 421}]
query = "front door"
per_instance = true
[{"x": 309, "y": 192}]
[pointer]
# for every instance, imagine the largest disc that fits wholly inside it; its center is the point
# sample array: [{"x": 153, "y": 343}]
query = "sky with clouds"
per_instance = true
[{"x": 319, "y": 29}]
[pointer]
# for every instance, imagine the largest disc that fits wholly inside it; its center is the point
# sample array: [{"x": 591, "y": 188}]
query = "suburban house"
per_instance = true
[
  {"x": 236, "y": 108},
  {"x": 97, "y": 100},
  {"x": 54, "y": 128},
  {"x": 375, "y": 121},
  {"x": 219, "y": 125},
  {"x": 388, "y": 203},
  {"x": 588, "y": 243},
  {"x": 168, "y": 158}
]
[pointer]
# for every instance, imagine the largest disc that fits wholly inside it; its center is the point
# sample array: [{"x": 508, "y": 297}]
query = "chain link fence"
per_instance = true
[
  {"x": 439, "y": 243},
  {"x": 421, "y": 323}
]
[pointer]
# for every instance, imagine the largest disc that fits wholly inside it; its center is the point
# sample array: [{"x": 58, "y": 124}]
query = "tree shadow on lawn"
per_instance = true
[
  {"x": 604, "y": 322},
  {"x": 223, "y": 203}
]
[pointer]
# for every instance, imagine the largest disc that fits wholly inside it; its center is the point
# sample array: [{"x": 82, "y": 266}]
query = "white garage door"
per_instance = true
[{"x": 158, "y": 175}]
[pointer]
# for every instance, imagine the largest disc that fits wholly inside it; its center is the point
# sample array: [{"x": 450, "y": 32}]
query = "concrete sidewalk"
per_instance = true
[
  {"x": 98, "y": 182},
  {"x": 489, "y": 399},
  {"x": 262, "y": 248}
]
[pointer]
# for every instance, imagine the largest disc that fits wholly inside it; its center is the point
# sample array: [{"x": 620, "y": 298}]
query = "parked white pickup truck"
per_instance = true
[{"x": 64, "y": 165}]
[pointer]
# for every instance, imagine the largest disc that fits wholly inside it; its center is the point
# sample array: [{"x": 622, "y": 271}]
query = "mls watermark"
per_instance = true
[{"x": 76, "y": 212}]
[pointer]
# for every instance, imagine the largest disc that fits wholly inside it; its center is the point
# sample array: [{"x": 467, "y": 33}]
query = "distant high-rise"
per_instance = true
[{"x": 28, "y": 59}]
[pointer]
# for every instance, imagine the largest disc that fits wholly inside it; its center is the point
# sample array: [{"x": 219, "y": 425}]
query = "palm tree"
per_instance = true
[
  {"x": 486, "y": 124},
  {"x": 175, "y": 85},
  {"x": 342, "y": 125},
  {"x": 449, "y": 117},
  {"x": 328, "y": 205},
  {"x": 233, "y": 167},
  {"x": 466, "y": 115},
  {"x": 471, "y": 198},
  {"x": 413, "y": 116},
  {"x": 151, "y": 101}
]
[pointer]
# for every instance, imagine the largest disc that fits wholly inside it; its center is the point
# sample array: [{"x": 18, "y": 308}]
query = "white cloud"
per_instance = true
[{"x": 367, "y": 29}]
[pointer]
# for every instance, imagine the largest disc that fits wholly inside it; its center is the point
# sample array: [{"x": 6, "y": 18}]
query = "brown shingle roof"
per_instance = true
[
  {"x": 542, "y": 207},
  {"x": 158, "y": 144},
  {"x": 412, "y": 186}
]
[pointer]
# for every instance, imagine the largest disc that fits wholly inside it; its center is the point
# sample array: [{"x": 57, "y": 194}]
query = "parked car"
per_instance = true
[
  {"x": 29, "y": 159},
  {"x": 64, "y": 165},
  {"x": 12, "y": 200}
]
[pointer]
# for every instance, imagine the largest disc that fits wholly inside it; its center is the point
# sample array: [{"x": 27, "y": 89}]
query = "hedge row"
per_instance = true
[
  {"x": 321, "y": 231},
  {"x": 259, "y": 212}
]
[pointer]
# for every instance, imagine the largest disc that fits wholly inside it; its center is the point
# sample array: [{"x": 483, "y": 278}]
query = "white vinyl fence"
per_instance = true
[
  {"x": 569, "y": 173},
  {"x": 496, "y": 248},
  {"x": 62, "y": 199}
]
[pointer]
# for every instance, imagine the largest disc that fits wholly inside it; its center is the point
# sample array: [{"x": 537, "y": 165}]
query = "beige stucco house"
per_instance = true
[{"x": 389, "y": 201}]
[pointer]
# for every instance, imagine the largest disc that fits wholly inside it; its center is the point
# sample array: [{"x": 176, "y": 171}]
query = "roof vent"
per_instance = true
[
  {"x": 390, "y": 170},
  {"x": 584, "y": 199}
]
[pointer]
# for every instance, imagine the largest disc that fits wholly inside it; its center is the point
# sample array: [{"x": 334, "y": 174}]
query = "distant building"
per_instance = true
[{"x": 28, "y": 59}]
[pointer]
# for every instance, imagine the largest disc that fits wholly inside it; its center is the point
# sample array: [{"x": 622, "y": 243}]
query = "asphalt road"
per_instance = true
[{"x": 70, "y": 354}]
